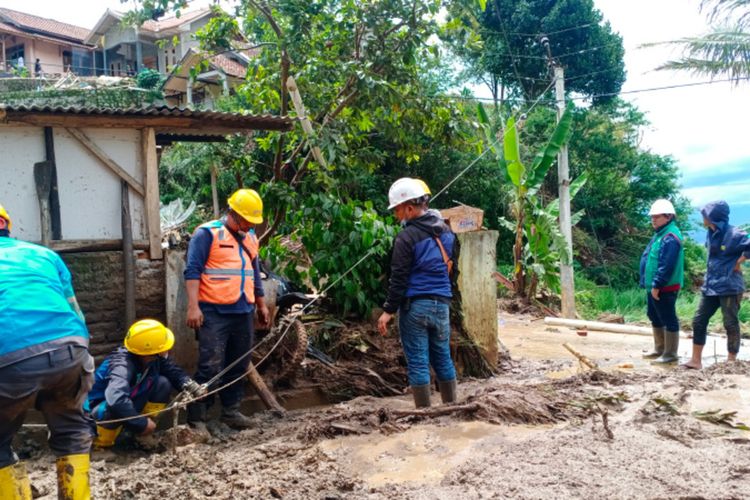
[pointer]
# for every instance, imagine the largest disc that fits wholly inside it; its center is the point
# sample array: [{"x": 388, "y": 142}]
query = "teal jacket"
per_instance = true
[{"x": 35, "y": 314}]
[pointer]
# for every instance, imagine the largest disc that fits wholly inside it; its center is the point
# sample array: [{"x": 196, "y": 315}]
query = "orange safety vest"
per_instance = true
[{"x": 228, "y": 271}]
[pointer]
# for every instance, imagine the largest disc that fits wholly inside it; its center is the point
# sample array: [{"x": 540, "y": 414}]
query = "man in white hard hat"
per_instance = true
[
  {"x": 420, "y": 290},
  {"x": 662, "y": 270}
]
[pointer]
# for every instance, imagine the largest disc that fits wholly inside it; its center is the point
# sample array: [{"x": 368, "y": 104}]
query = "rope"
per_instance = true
[{"x": 180, "y": 401}]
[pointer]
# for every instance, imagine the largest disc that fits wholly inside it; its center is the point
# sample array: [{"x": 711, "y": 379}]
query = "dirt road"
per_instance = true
[{"x": 542, "y": 429}]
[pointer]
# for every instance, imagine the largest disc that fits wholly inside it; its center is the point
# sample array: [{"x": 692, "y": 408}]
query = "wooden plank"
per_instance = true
[
  {"x": 307, "y": 127},
  {"x": 106, "y": 160},
  {"x": 164, "y": 123},
  {"x": 70, "y": 246},
  {"x": 128, "y": 262},
  {"x": 151, "y": 175}
]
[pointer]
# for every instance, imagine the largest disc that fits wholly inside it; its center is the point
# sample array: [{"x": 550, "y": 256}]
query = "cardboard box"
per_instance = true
[{"x": 463, "y": 218}]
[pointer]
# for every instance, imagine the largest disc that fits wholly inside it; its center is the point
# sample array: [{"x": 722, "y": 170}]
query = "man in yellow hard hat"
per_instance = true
[
  {"x": 224, "y": 290},
  {"x": 44, "y": 364},
  {"x": 134, "y": 382}
]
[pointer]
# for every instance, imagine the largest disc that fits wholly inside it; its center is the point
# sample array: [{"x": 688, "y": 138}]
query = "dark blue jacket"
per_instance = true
[
  {"x": 417, "y": 265},
  {"x": 725, "y": 246},
  {"x": 121, "y": 377}
]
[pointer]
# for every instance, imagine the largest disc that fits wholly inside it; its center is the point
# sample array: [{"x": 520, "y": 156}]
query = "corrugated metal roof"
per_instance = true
[{"x": 210, "y": 117}]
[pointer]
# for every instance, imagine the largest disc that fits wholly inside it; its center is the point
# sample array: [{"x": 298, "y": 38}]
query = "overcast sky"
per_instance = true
[{"x": 704, "y": 127}]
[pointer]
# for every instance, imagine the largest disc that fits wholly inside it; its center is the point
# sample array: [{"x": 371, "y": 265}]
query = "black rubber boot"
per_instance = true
[
  {"x": 421, "y": 395},
  {"x": 232, "y": 416},
  {"x": 196, "y": 415},
  {"x": 671, "y": 344},
  {"x": 658, "y": 344},
  {"x": 448, "y": 391}
]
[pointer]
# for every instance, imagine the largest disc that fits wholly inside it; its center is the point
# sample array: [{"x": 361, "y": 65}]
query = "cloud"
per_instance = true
[{"x": 734, "y": 194}]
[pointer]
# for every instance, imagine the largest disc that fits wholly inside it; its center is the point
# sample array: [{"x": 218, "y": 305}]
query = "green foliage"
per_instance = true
[
  {"x": 500, "y": 43},
  {"x": 336, "y": 236},
  {"x": 539, "y": 246},
  {"x": 149, "y": 79},
  {"x": 722, "y": 52}
]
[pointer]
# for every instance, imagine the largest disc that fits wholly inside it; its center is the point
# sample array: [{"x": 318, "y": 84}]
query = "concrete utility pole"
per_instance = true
[{"x": 563, "y": 174}]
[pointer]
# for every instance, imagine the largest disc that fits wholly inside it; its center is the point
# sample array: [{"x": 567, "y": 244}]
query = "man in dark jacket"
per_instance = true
[
  {"x": 133, "y": 383},
  {"x": 728, "y": 247},
  {"x": 662, "y": 265},
  {"x": 420, "y": 290}
]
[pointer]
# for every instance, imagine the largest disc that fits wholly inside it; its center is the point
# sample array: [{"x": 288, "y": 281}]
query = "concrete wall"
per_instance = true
[
  {"x": 89, "y": 191},
  {"x": 98, "y": 283},
  {"x": 49, "y": 54},
  {"x": 478, "y": 290}
]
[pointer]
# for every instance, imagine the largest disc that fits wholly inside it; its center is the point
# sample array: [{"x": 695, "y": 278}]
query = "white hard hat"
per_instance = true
[
  {"x": 662, "y": 207},
  {"x": 405, "y": 189}
]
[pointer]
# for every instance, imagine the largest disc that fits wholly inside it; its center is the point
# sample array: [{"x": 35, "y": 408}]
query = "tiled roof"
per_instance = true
[
  {"x": 174, "y": 21},
  {"x": 43, "y": 25},
  {"x": 229, "y": 66}
]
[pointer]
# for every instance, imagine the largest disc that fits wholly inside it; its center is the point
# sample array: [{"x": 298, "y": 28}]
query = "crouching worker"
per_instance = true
[{"x": 134, "y": 383}]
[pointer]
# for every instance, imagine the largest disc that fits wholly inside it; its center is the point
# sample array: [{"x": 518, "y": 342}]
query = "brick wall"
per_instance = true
[{"x": 99, "y": 286}]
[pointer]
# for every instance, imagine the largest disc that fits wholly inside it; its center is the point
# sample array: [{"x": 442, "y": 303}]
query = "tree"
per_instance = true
[
  {"x": 501, "y": 45},
  {"x": 539, "y": 245},
  {"x": 722, "y": 52}
]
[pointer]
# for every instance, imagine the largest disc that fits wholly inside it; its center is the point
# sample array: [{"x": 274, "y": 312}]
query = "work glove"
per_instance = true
[{"x": 194, "y": 389}]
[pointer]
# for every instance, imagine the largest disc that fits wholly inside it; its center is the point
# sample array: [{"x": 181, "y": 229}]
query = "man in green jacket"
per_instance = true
[{"x": 662, "y": 267}]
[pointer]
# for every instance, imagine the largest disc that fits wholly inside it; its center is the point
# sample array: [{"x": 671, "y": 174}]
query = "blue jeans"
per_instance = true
[
  {"x": 662, "y": 312},
  {"x": 425, "y": 336}
]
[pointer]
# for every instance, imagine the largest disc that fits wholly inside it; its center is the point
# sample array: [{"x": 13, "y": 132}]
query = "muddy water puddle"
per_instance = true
[
  {"x": 425, "y": 453},
  {"x": 533, "y": 339},
  {"x": 733, "y": 396}
]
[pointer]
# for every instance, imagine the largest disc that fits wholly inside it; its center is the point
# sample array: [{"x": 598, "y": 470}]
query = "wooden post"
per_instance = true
[
  {"x": 54, "y": 196},
  {"x": 128, "y": 265},
  {"x": 307, "y": 128},
  {"x": 151, "y": 181},
  {"x": 43, "y": 182},
  {"x": 263, "y": 391},
  {"x": 214, "y": 191}
]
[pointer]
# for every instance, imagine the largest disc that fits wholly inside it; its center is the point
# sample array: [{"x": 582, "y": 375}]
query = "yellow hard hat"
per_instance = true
[
  {"x": 247, "y": 203},
  {"x": 4, "y": 215},
  {"x": 424, "y": 186},
  {"x": 147, "y": 337}
]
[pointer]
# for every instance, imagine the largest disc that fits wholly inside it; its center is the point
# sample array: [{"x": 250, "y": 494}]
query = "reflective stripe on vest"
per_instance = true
[
  {"x": 228, "y": 271},
  {"x": 652, "y": 264}
]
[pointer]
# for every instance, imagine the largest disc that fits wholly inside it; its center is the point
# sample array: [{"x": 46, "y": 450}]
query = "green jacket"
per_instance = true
[{"x": 663, "y": 261}]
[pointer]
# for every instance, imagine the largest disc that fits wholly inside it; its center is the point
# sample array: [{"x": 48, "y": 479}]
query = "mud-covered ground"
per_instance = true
[{"x": 544, "y": 428}]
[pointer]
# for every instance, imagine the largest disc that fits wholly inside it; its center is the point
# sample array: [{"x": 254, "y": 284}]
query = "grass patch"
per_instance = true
[{"x": 593, "y": 300}]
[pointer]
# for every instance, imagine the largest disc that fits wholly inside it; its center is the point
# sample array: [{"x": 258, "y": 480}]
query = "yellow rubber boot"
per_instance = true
[
  {"x": 73, "y": 477},
  {"x": 14, "y": 483},
  {"x": 152, "y": 408},
  {"x": 105, "y": 438}
]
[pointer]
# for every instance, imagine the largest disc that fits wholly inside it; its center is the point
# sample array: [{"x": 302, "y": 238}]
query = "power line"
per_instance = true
[
  {"x": 666, "y": 87},
  {"x": 546, "y": 33}
]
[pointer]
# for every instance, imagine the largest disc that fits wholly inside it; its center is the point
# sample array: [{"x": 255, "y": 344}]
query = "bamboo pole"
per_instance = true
[
  {"x": 583, "y": 359},
  {"x": 263, "y": 391},
  {"x": 600, "y": 326}
]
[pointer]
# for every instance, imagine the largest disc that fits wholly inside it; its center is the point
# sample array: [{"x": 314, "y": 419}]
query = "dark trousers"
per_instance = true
[
  {"x": 157, "y": 393},
  {"x": 221, "y": 340},
  {"x": 730, "y": 310},
  {"x": 55, "y": 383},
  {"x": 662, "y": 312}
]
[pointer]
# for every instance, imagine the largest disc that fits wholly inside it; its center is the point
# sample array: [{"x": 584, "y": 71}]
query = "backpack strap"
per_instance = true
[{"x": 448, "y": 262}]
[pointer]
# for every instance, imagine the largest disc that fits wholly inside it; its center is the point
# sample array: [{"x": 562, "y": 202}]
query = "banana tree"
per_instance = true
[{"x": 539, "y": 245}]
